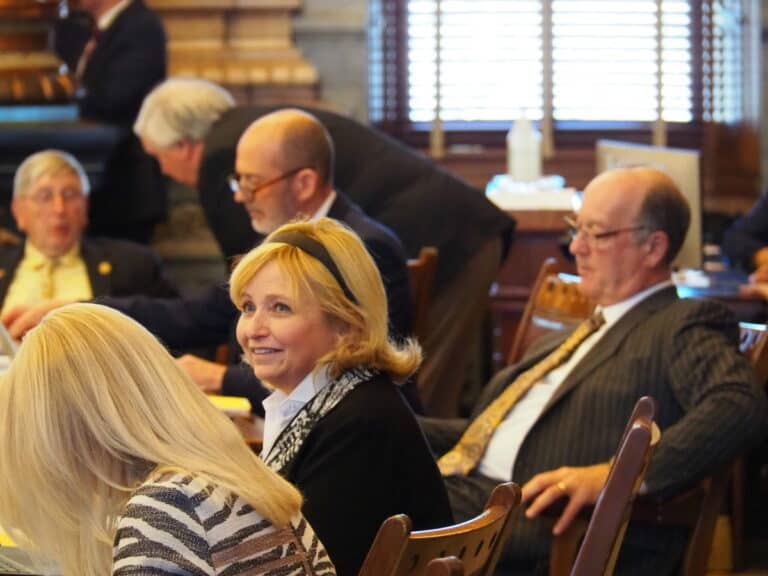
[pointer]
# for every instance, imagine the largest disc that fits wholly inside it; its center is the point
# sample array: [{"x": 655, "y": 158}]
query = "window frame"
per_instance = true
[{"x": 566, "y": 133}]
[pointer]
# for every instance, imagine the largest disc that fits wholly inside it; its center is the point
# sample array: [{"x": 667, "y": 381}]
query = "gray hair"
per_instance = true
[
  {"x": 181, "y": 109},
  {"x": 665, "y": 208},
  {"x": 48, "y": 163}
]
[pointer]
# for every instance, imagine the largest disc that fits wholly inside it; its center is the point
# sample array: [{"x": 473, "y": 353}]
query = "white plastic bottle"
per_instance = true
[{"x": 523, "y": 151}]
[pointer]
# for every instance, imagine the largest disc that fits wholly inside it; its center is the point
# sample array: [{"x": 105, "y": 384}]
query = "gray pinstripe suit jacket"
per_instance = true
[{"x": 681, "y": 352}]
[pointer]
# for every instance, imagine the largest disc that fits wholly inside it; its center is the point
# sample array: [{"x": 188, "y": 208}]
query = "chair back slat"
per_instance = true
[
  {"x": 478, "y": 542},
  {"x": 555, "y": 304},
  {"x": 597, "y": 552},
  {"x": 600, "y": 548},
  {"x": 421, "y": 274}
]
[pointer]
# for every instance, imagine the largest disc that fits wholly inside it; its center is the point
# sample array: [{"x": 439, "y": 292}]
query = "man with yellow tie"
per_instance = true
[
  {"x": 50, "y": 203},
  {"x": 552, "y": 422}
]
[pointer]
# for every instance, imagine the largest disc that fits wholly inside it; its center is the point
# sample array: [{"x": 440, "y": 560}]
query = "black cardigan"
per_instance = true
[{"x": 364, "y": 461}]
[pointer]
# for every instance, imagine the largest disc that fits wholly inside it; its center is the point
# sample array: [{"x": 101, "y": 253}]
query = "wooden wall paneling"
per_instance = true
[{"x": 245, "y": 45}]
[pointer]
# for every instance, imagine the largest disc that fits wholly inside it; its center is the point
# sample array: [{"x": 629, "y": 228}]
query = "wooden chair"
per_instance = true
[
  {"x": 604, "y": 533},
  {"x": 698, "y": 508},
  {"x": 449, "y": 566},
  {"x": 478, "y": 543},
  {"x": 753, "y": 343},
  {"x": 421, "y": 273},
  {"x": 555, "y": 304}
]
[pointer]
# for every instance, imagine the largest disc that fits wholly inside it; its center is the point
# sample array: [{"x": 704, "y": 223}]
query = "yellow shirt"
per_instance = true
[{"x": 32, "y": 279}]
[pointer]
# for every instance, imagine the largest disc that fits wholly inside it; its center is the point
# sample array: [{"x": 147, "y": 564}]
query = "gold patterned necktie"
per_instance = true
[{"x": 463, "y": 457}]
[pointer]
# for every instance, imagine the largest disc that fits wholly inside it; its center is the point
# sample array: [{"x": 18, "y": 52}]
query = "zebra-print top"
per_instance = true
[{"x": 182, "y": 524}]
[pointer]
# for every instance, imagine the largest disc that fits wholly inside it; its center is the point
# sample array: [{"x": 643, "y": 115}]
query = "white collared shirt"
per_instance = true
[
  {"x": 279, "y": 408},
  {"x": 499, "y": 458},
  {"x": 325, "y": 207},
  {"x": 106, "y": 19}
]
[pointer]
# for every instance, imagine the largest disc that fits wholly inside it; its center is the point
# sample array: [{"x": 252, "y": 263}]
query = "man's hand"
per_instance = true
[
  {"x": 21, "y": 319},
  {"x": 581, "y": 486},
  {"x": 209, "y": 376},
  {"x": 760, "y": 275},
  {"x": 758, "y": 280},
  {"x": 760, "y": 261},
  {"x": 754, "y": 290}
]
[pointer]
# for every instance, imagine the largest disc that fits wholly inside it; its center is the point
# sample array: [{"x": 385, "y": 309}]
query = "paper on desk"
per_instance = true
[
  {"x": 544, "y": 194},
  {"x": 691, "y": 277},
  {"x": 231, "y": 405},
  {"x": 5, "y": 540}
]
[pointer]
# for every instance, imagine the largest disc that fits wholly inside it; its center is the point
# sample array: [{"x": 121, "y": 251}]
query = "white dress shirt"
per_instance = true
[
  {"x": 104, "y": 22},
  {"x": 499, "y": 458},
  {"x": 279, "y": 408},
  {"x": 325, "y": 207},
  {"x": 106, "y": 19}
]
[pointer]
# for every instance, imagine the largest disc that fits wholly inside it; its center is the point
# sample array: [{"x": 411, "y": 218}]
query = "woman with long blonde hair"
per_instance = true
[{"x": 114, "y": 462}]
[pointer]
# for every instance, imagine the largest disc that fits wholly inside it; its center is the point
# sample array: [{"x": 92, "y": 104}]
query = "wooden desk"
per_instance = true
[{"x": 745, "y": 308}]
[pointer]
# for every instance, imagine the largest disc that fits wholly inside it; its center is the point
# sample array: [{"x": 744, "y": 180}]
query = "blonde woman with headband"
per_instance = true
[
  {"x": 313, "y": 326},
  {"x": 115, "y": 463}
]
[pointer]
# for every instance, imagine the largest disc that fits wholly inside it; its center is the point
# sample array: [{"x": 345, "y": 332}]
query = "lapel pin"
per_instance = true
[{"x": 105, "y": 268}]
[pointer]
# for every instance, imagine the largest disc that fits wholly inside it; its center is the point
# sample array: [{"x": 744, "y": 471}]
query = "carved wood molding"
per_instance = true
[
  {"x": 218, "y": 5},
  {"x": 42, "y": 9},
  {"x": 246, "y": 45},
  {"x": 29, "y": 71}
]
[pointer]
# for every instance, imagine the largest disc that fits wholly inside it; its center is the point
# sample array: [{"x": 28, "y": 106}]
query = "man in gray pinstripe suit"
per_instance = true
[{"x": 557, "y": 440}]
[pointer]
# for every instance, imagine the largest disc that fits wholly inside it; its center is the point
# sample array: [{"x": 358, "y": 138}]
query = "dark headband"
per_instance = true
[{"x": 318, "y": 252}]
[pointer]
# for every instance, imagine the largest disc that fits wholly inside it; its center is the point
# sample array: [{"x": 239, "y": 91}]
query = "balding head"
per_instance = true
[
  {"x": 292, "y": 138},
  {"x": 664, "y": 208},
  {"x": 630, "y": 227},
  {"x": 284, "y": 165}
]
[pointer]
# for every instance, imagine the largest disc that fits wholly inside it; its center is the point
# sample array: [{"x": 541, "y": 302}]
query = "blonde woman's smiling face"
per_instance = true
[{"x": 282, "y": 335}]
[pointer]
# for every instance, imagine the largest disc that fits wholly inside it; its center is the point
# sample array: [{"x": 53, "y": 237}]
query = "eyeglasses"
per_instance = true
[
  {"x": 593, "y": 238},
  {"x": 239, "y": 183},
  {"x": 46, "y": 196}
]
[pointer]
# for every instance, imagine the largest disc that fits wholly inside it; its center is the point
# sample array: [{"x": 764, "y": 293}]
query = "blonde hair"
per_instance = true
[
  {"x": 48, "y": 163},
  {"x": 92, "y": 405},
  {"x": 364, "y": 340}
]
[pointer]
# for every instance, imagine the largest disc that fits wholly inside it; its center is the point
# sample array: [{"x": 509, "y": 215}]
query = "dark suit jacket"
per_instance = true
[
  {"x": 210, "y": 318},
  {"x": 681, "y": 352},
  {"x": 420, "y": 202},
  {"x": 115, "y": 268},
  {"x": 363, "y": 462},
  {"x": 747, "y": 235},
  {"x": 128, "y": 61}
]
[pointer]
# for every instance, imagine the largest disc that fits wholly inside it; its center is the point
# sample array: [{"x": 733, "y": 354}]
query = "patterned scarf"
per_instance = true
[{"x": 292, "y": 437}]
